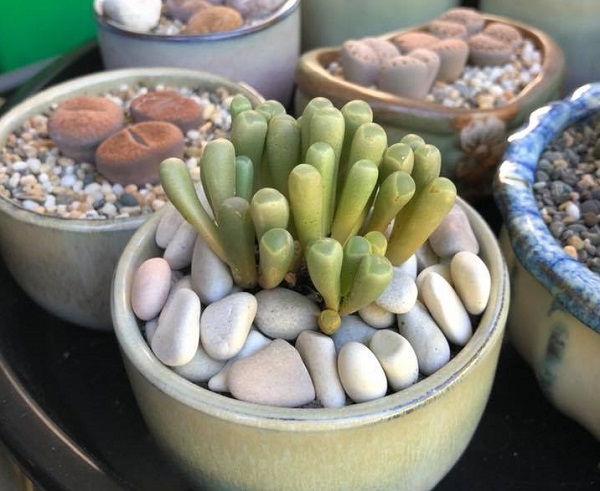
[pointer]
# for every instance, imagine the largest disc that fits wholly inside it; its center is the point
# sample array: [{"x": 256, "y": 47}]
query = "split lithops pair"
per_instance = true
[
  {"x": 320, "y": 202},
  {"x": 409, "y": 64}
]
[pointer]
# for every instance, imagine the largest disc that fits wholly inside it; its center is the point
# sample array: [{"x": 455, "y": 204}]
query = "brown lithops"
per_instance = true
[
  {"x": 431, "y": 60},
  {"x": 359, "y": 63},
  {"x": 212, "y": 20},
  {"x": 470, "y": 18},
  {"x": 183, "y": 10},
  {"x": 408, "y": 41},
  {"x": 382, "y": 48},
  {"x": 404, "y": 76},
  {"x": 443, "y": 29},
  {"x": 453, "y": 55},
  {"x": 503, "y": 32},
  {"x": 78, "y": 125},
  {"x": 169, "y": 106},
  {"x": 485, "y": 50},
  {"x": 133, "y": 155}
]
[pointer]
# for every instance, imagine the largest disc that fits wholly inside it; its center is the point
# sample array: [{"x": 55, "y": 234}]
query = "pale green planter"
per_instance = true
[
  {"x": 331, "y": 22},
  {"x": 573, "y": 25}
]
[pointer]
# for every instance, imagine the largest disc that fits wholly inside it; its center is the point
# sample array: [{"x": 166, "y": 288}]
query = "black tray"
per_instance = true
[{"x": 68, "y": 415}]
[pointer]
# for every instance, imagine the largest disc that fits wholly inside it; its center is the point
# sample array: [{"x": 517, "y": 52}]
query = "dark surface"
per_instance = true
[{"x": 68, "y": 415}]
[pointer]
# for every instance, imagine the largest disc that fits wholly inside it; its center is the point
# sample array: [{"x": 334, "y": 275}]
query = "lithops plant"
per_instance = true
[{"x": 321, "y": 202}]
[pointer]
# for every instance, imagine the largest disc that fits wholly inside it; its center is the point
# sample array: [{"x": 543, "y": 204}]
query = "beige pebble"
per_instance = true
[
  {"x": 397, "y": 357},
  {"x": 274, "y": 376},
  {"x": 472, "y": 281},
  {"x": 400, "y": 295},
  {"x": 361, "y": 373},
  {"x": 454, "y": 234},
  {"x": 169, "y": 222},
  {"x": 318, "y": 353},
  {"x": 446, "y": 308},
  {"x": 211, "y": 277},
  {"x": 180, "y": 249},
  {"x": 376, "y": 316},
  {"x": 442, "y": 269},
  {"x": 150, "y": 288},
  {"x": 225, "y": 324},
  {"x": 200, "y": 368}
]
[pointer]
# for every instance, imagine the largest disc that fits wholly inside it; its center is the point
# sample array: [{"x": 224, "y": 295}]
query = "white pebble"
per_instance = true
[
  {"x": 446, "y": 308},
  {"x": 397, "y": 358},
  {"x": 376, "y": 316},
  {"x": 168, "y": 224},
  {"x": 225, "y": 324},
  {"x": 150, "y": 287},
  {"x": 179, "y": 251},
  {"x": 454, "y": 234},
  {"x": 211, "y": 277},
  {"x": 472, "y": 281},
  {"x": 400, "y": 295},
  {"x": 176, "y": 338},
  {"x": 135, "y": 15},
  {"x": 318, "y": 353},
  {"x": 361, "y": 373},
  {"x": 200, "y": 368}
]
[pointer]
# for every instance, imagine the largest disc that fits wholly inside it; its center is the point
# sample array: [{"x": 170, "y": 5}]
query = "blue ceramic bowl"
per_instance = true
[{"x": 554, "y": 319}]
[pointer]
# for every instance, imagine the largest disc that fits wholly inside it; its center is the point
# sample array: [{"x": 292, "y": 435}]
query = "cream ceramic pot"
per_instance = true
[
  {"x": 471, "y": 140},
  {"x": 554, "y": 319},
  {"x": 262, "y": 55},
  {"x": 66, "y": 265},
  {"x": 405, "y": 441}
]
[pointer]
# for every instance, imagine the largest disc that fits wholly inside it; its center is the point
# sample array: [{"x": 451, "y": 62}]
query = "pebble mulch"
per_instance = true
[
  {"x": 567, "y": 191},
  {"x": 484, "y": 87},
  {"x": 35, "y": 176}
]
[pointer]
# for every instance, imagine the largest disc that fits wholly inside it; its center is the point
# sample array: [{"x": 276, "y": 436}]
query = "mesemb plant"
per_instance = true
[{"x": 320, "y": 203}]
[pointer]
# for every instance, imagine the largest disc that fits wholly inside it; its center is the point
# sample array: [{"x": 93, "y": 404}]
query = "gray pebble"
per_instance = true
[
  {"x": 180, "y": 249},
  {"x": 211, "y": 277},
  {"x": 352, "y": 329},
  {"x": 454, "y": 234}
]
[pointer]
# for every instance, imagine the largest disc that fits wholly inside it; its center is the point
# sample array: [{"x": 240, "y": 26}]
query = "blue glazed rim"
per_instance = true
[{"x": 573, "y": 286}]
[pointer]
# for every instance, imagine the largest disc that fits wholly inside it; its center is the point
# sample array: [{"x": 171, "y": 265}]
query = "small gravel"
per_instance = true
[
  {"x": 567, "y": 191},
  {"x": 483, "y": 87},
  {"x": 35, "y": 176}
]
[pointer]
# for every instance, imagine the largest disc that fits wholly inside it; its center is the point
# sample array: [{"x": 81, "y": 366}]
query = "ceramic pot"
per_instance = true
[
  {"x": 573, "y": 25},
  {"x": 66, "y": 265},
  {"x": 471, "y": 140},
  {"x": 554, "y": 319},
  {"x": 262, "y": 55},
  {"x": 332, "y": 22},
  {"x": 405, "y": 441}
]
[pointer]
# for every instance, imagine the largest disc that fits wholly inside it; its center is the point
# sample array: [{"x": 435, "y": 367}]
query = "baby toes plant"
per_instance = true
[{"x": 319, "y": 202}]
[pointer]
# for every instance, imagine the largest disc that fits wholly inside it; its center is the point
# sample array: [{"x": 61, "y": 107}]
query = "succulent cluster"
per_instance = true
[
  {"x": 320, "y": 201},
  {"x": 408, "y": 64}
]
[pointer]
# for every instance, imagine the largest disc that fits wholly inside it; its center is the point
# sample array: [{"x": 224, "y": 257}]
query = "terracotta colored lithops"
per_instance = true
[
  {"x": 80, "y": 124},
  {"x": 470, "y": 18},
  {"x": 487, "y": 50},
  {"x": 212, "y": 20},
  {"x": 407, "y": 41},
  {"x": 133, "y": 155},
  {"x": 169, "y": 106}
]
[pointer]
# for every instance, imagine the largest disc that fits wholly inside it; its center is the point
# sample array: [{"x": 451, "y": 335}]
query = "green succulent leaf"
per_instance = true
[
  {"x": 276, "y": 253},
  {"x": 355, "y": 249},
  {"x": 282, "y": 150},
  {"x": 395, "y": 191},
  {"x": 372, "y": 277},
  {"x": 306, "y": 203},
  {"x": 324, "y": 263},
  {"x": 269, "y": 209}
]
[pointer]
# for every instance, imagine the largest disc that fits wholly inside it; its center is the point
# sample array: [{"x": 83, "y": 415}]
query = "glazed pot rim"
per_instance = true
[
  {"x": 283, "y": 11},
  {"x": 92, "y": 84},
  {"x": 311, "y": 70},
  {"x": 574, "y": 287},
  {"x": 135, "y": 350}
]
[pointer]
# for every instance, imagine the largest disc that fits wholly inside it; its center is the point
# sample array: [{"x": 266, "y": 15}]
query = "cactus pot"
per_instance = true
[
  {"x": 66, "y": 265},
  {"x": 405, "y": 441},
  {"x": 262, "y": 55},
  {"x": 471, "y": 140},
  {"x": 554, "y": 320}
]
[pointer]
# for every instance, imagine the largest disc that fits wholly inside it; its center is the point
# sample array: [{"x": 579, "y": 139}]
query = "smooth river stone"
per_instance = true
[
  {"x": 135, "y": 15},
  {"x": 361, "y": 374},
  {"x": 425, "y": 256},
  {"x": 177, "y": 335},
  {"x": 179, "y": 250},
  {"x": 400, "y": 295},
  {"x": 472, "y": 281},
  {"x": 284, "y": 313},
  {"x": 182, "y": 282},
  {"x": 426, "y": 338},
  {"x": 318, "y": 353},
  {"x": 454, "y": 234},
  {"x": 201, "y": 367},
  {"x": 211, "y": 277},
  {"x": 397, "y": 358},
  {"x": 352, "y": 328},
  {"x": 376, "y": 316},
  {"x": 446, "y": 308},
  {"x": 169, "y": 222},
  {"x": 442, "y": 269},
  {"x": 225, "y": 324},
  {"x": 409, "y": 266},
  {"x": 150, "y": 288},
  {"x": 254, "y": 342},
  {"x": 274, "y": 376}
]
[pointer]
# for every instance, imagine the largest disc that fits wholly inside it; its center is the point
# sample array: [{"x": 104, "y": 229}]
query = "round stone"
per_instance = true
[
  {"x": 361, "y": 373},
  {"x": 150, "y": 288}
]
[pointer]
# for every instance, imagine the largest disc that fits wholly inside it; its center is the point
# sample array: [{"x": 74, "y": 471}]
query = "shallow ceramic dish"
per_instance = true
[
  {"x": 263, "y": 55},
  {"x": 554, "y": 320},
  {"x": 66, "y": 265},
  {"x": 471, "y": 140},
  {"x": 405, "y": 441}
]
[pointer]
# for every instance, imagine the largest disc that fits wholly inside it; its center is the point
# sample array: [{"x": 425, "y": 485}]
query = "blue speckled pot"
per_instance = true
[{"x": 554, "y": 321}]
